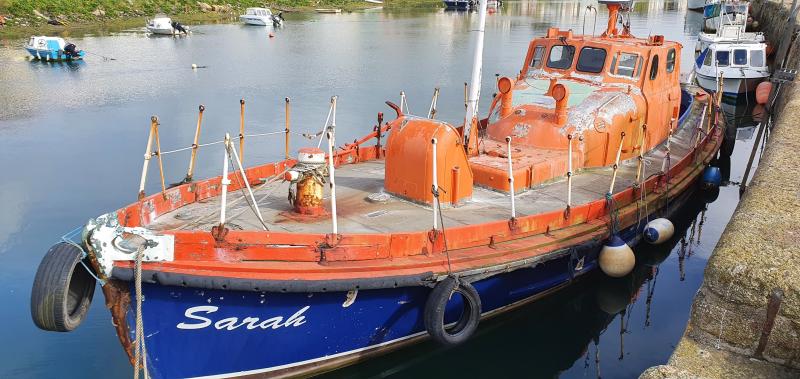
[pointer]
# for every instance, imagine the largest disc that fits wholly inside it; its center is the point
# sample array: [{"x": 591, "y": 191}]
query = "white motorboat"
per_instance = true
[
  {"x": 261, "y": 17},
  {"x": 727, "y": 33},
  {"x": 716, "y": 14},
  {"x": 160, "y": 24},
  {"x": 741, "y": 65}
]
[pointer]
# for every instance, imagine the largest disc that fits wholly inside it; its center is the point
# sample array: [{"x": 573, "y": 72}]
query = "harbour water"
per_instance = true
[{"x": 72, "y": 137}]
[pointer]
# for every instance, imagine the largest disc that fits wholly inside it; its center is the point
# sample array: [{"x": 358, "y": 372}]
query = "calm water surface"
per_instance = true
[{"x": 72, "y": 138}]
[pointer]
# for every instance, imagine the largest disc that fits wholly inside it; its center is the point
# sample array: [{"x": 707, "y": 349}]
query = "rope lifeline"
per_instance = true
[{"x": 140, "y": 352}]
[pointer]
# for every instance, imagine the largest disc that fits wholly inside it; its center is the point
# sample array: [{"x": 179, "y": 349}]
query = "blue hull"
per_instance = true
[
  {"x": 290, "y": 330},
  {"x": 197, "y": 332}
]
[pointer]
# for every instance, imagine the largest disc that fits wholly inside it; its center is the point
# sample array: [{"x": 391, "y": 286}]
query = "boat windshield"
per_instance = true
[
  {"x": 561, "y": 57},
  {"x": 538, "y": 57},
  {"x": 591, "y": 59},
  {"x": 723, "y": 58},
  {"x": 740, "y": 57},
  {"x": 625, "y": 65},
  {"x": 757, "y": 58}
]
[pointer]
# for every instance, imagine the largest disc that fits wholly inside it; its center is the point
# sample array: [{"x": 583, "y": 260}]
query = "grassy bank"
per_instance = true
[{"x": 26, "y": 17}]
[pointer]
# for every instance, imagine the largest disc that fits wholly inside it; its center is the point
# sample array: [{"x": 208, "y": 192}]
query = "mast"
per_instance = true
[{"x": 471, "y": 118}]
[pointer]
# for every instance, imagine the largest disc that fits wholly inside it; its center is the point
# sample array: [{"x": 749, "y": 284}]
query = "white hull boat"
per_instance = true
[
  {"x": 741, "y": 65},
  {"x": 161, "y": 25},
  {"x": 261, "y": 17}
]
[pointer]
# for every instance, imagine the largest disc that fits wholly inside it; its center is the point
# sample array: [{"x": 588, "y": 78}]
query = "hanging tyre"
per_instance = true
[
  {"x": 436, "y": 305},
  {"x": 62, "y": 290}
]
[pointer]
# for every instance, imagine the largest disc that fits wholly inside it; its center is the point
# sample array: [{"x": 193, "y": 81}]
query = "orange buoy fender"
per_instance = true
[{"x": 762, "y": 92}]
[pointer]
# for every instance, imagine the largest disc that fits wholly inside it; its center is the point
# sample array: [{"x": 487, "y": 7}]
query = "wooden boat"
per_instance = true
[
  {"x": 52, "y": 49},
  {"x": 425, "y": 229}
]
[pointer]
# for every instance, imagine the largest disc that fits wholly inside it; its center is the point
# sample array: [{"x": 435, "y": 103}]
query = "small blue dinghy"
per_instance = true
[{"x": 53, "y": 49}]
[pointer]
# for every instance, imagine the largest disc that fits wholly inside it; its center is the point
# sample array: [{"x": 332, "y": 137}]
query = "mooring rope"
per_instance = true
[
  {"x": 140, "y": 352},
  {"x": 613, "y": 214}
]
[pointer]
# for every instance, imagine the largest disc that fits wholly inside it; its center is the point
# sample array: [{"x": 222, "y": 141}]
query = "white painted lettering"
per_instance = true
[
  {"x": 190, "y": 314},
  {"x": 232, "y": 323}
]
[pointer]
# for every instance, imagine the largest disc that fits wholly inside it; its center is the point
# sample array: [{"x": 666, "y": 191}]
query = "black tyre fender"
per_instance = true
[
  {"x": 62, "y": 290},
  {"x": 437, "y": 303}
]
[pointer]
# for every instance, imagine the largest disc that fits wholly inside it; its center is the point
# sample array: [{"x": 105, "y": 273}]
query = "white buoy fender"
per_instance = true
[
  {"x": 658, "y": 231},
  {"x": 616, "y": 258}
]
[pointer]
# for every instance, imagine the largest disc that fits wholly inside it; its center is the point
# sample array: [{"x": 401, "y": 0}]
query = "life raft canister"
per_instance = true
[
  {"x": 62, "y": 290},
  {"x": 435, "y": 306}
]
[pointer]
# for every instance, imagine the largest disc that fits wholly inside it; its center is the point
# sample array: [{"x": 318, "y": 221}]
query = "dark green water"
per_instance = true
[{"x": 72, "y": 138}]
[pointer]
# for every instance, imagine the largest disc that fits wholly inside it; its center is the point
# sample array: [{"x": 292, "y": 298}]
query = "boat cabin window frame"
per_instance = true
[
  {"x": 727, "y": 61},
  {"x": 707, "y": 61},
  {"x": 757, "y": 58},
  {"x": 737, "y": 58},
  {"x": 584, "y": 67},
  {"x": 671, "y": 58},
  {"x": 654, "y": 67},
  {"x": 559, "y": 65},
  {"x": 537, "y": 62},
  {"x": 614, "y": 69}
]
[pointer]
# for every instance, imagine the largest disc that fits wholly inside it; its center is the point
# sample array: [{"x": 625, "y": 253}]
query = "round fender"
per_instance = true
[
  {"x": 62, "y": 290},
  {"x": 435, "y": 307}
]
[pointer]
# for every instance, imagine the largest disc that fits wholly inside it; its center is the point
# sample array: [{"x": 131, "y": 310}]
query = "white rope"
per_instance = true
[{"x": 140, "y": 352}]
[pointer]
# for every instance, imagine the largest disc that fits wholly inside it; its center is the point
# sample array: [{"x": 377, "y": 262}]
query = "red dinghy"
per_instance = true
[{"x": 418, "y": 229}]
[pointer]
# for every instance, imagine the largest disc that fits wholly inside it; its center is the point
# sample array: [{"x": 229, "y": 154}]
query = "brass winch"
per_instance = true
[{"x": 308, "y": 177}]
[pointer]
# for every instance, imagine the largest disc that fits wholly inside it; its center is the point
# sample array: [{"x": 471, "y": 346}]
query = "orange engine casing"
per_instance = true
[{"x": 409, "y": 158}]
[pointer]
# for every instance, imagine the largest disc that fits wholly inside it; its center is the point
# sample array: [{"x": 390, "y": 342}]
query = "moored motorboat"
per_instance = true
[
  {"x": 161, "y": 25},
  {"x": 739, "y": 66},
  {"x": 261, "y": 17},
  {"x": 328, "y": 10},
  {"x": 726, "y": 12},
  {"x": 422, "y": 219},
  {"x": 52, "y": 49}
]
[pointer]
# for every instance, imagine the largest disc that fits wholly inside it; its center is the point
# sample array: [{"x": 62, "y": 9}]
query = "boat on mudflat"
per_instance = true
[{"x": 418, "y": 230}]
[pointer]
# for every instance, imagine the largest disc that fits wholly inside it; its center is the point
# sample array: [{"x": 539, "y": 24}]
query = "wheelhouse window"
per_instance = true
[
  {"x": 654, "y": 68},
  {"x": 670, "y": 60},
  {"x": 561, "y": 57},
  {"x": 707, "y": 59},
  {"x": 723, "y": 58},
  {"x": 757, "y": 58},
  {"x": 591, "y": 59},
  {"x": 740, "y": 57},
  {"x": 625, "y": 65},
  {"x": 538, "y": 57}
]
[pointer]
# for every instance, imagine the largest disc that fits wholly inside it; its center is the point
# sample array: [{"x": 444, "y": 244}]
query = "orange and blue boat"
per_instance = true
[{"x": 418, "y": 230}]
